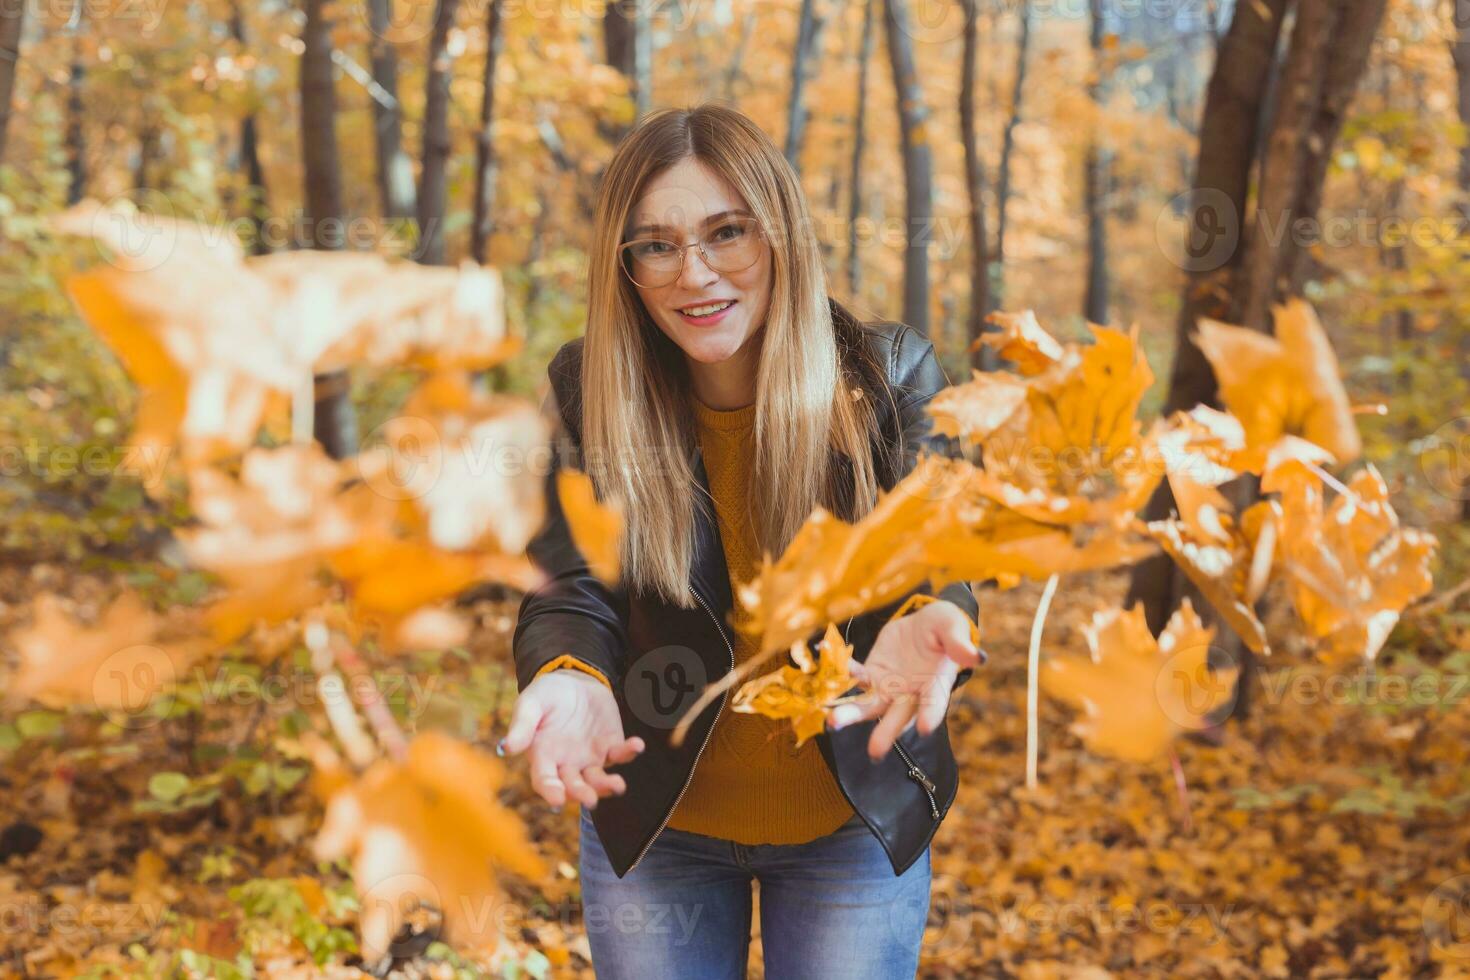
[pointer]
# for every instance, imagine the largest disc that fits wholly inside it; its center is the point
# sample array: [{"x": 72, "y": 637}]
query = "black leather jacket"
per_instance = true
[{"x": 659, "y": 656}]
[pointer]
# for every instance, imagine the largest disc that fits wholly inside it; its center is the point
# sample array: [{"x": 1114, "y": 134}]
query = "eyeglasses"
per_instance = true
[{"x": 734, "y": 246}]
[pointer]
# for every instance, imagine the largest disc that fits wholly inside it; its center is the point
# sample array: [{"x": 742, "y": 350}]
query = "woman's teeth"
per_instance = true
[{"x": 707, "y": 310}]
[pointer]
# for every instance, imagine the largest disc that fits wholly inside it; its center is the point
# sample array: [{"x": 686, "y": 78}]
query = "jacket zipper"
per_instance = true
[
  {"x": 917, "y": 775},
  {"x": 724, "y": 696}
]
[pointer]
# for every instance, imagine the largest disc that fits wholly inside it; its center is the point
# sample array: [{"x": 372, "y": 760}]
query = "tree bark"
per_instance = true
[
  {"x": 1329, "y": 50},
  {"x": 12, "y": 24},
  {"x": 975, "y": 185},
  {"x": 1234, "y": 101},
  {"x": 321, "y": 166},
  {"x": 1007, "y": 151},
  {"x": 395, "y": 170},
  {"x": 918, "y": 166},
  {"x": 256, "y": 196},
  {"x": 76, "y": 133},
  {"x": 485, "y": 163},
  {"x": 628, "y": 47},
  {"x": 433, "y": 177},
  {"x": 859, "y": 140},
  {"x": 334, "y": 423},
  {"x": 1095, "y": 304},
  {"x": 803, "y": 58}
]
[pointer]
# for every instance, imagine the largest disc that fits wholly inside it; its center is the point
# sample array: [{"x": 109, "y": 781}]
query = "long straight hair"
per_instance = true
[{"x": 814, "y": 417}]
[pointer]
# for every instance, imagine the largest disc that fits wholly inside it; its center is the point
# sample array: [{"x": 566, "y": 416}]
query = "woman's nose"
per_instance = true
[{"x": 695, "y": 273}]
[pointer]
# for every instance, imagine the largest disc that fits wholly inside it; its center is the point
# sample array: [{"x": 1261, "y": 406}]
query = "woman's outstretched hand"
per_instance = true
[
  {"x": 909, "y": 674},
  {"x": 569, "y": 720}
]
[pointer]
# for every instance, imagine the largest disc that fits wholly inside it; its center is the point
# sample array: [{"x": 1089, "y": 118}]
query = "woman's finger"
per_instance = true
[
  {"x": 624, "y": 751},
  {"x": 546, "y": 782},
  {"x": 867, "y": 707},
  {"x": 890, "y": 726},
  {"x": 577, "y": 787},
  {"x": 935, "y": 701},
  {"x": 524, "y": 719},
  {"x": 602, "y": 783}
]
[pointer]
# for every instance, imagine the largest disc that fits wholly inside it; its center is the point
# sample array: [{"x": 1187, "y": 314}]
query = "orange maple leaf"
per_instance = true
[
  {"x": 802, "y": 693},
  {"x": 1137, "y": 693}
]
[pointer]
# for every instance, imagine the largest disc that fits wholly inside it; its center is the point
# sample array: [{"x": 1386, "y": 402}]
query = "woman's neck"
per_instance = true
[{"x": 729, "y": 383}]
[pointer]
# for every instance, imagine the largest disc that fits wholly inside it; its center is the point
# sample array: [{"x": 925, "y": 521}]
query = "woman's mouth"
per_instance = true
[{"x": 706, "y": 314}]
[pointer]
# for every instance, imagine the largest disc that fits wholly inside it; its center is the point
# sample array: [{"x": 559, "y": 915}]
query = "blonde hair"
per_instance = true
[{"x": 813, "y": 423}]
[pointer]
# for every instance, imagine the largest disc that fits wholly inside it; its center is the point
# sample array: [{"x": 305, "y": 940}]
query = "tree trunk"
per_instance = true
[
  {"x": 975, "y": 185},
  {"x": 1329, "y": 50},
  {"x": 433, "y": 177},
  {"x": 76, "y": 133},
  {"x": 1095, "y": 305},
  {"x": 918, "y": 166},
  {"x": 12, "y": 23},
  {"x": 1007, "y": 150},
  {"x": 859, "y": 140},
  {"x": 628, "y": 47},
  {"x": 395, "y": 169},
  {"x": 807, "y": 53},
  {"x": 320, "y": 165},
  {"x": 485, "y": 163},
  {"x": 256, "y": 197},
  {"x": 1234, "y": 101},
  {"x": 334, "y": 423}
]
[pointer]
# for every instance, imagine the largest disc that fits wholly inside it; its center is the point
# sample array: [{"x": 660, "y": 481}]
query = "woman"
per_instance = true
[{"x": 720, "y": 396}]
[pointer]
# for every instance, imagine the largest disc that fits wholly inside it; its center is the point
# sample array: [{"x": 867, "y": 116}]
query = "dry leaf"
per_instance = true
[
  {"x": 1288, "y": 384},
  {"x": 802, "y": 693},
  {"x": 596, "y": 528},
  {"x": 427, "y": 831},
  {"x": 1136, "y": 693}
]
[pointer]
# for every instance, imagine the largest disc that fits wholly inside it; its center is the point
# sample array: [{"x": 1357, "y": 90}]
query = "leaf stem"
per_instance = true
[{"x": 1033, "y": 684}]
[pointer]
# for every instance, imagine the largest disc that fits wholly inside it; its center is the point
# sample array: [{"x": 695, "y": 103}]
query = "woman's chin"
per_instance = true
[{"x": 712, "y": 347}]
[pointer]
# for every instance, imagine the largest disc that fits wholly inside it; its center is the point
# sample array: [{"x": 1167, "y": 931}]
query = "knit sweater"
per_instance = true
[{"x": 752, "y": 785}]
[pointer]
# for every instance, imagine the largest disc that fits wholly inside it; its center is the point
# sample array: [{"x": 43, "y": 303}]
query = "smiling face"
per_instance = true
[{"x": 686, "y": 203}]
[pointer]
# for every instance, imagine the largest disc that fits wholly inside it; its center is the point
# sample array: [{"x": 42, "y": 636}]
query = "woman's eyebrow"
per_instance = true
[{"x": 710, "y": 220}]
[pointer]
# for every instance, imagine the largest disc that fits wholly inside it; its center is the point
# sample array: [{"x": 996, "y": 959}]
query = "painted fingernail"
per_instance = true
[{"x": 500, "y": 748}]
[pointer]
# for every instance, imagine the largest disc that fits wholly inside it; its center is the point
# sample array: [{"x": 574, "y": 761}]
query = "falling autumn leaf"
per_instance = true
[
  {"x": 1137, "y": 693},
  {"x": 597, "y": 528},
  {"x": 1287, "y": 384},
  {"x": 427, "y": 831},
  {"x": 121, "y": 663},
  {"x": 1352, "y": 567},
  {"x": 802, "y": 693},
  {"x": 1023, "y": 341}
]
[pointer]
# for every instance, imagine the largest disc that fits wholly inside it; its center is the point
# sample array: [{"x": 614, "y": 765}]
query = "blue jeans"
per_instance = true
[{"x": 830, "y": 908}]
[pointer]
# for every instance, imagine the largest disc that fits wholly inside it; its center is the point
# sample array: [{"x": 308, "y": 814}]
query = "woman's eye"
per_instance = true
[
  {"x": 651, "y": 248},
  {"x": 735, "y": 231}
]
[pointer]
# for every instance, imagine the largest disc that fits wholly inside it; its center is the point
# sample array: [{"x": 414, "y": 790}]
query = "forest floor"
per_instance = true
[{"x": 1324, "y": 835}]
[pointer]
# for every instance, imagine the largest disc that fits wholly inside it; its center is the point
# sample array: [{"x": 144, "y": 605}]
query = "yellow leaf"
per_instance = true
[{"x": 596, "y": 528}]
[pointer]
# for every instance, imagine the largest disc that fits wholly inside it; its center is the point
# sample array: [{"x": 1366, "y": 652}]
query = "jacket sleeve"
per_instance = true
[
  {"x": 573, "y": 613},
  {"x": 919, "y": 377}
]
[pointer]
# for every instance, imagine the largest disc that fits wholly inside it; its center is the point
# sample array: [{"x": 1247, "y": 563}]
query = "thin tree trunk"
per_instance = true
[
  {"x": 1007, "y": 151},
  {"x": 12, "y": 23},
  {"x": 321, "y": 166},
  {"x": 433, "y": 177},
  {"x": 1460, "y": 53},
  {"x": 918, "y": 166},
  {"x": 628, "y": 47},
  {"x": 256, "y": 196},
  {"x": 975, "y": 184},
  {"x": 76, "y": 134},
  {"x": 859, "y": 140},
  {"x": 334, "y": 423},
  {"x": 395, "y": 170},
  {"x": 485, "y": 162},
  {"x": 807, "y": 53},
  {"x": 737, "y": 58},
  {"x": 1095, "y": 305}
]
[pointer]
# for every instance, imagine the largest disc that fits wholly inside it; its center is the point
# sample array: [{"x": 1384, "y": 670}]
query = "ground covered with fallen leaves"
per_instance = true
[{"x": 1325, "y": 834}]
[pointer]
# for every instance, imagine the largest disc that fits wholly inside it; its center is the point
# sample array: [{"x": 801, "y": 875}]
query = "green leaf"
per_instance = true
[
  {"x": 168, "y": 786},
  {"x": 38, "y": 724}
]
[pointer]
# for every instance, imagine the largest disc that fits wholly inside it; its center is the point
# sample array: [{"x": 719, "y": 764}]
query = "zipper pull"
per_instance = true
[{"x": 917, "y": 775}]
